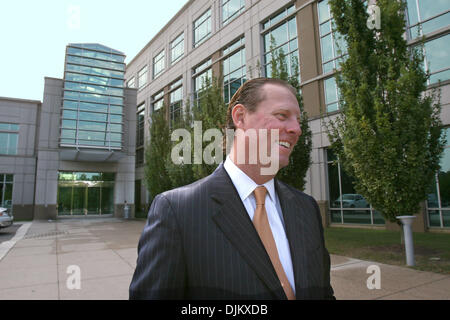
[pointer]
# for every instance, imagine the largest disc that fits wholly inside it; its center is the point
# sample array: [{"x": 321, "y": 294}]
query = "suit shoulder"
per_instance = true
[
  {"x": 189, "y": 191},
  {"x": 297, "y": 192}
]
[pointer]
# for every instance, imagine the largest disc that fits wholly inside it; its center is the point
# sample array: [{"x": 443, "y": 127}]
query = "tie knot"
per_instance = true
[{"x": 260, "y": 195}]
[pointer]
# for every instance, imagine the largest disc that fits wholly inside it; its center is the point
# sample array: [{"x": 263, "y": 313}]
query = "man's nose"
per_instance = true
[{"x": 294, "y": 128}]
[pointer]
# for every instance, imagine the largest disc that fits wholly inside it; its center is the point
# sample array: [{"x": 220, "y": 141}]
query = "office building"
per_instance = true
[
  {"x": 74, "y": 153},
  {"x": 230, "y": 39}
]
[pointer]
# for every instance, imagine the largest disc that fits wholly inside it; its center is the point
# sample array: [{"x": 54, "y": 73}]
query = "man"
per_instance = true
[{"x": 238, "y": 233}]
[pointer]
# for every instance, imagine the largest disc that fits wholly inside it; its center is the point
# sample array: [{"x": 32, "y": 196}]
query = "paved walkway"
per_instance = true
[{"x": 34, "y": 264}]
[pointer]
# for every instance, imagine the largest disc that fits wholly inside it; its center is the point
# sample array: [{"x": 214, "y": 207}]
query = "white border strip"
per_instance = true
[{"x": 20, "y": 233}]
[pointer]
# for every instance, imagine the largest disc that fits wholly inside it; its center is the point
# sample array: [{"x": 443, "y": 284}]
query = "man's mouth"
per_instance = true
[{"x": 284, "y": 144}]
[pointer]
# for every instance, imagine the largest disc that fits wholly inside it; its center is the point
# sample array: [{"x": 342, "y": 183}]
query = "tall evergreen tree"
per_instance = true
[
  {"x": 156, "y": 154},
  {"x": 388, "y": 134},
  {"x": 181, "y": 174},
  {"x": 300, "y": 160},
  {"x": 211, "y": 110}
]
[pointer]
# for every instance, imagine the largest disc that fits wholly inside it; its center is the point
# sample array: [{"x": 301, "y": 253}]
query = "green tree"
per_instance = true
[
  {"x": 181, "y": 174},
  {"x": 388, "y": 134},
  {"x": 211, "y": 110},
  {"x": 295, "y": 173},
  {"x": 157, "y": 152}
]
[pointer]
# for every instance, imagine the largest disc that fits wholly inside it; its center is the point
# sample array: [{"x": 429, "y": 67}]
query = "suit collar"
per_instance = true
[
  {"x": 243, "y": 183},
  {"x": 298, "y": 231},
  {"x": 232, "y": 218}
]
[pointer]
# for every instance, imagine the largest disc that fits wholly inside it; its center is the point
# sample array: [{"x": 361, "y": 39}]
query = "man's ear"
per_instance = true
[{"x": 238, "y": 115}]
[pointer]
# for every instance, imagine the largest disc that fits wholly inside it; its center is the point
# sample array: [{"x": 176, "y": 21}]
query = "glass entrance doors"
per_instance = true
[{"x": 85, "y": 193}]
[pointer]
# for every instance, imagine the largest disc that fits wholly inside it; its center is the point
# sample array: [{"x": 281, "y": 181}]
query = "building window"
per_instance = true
[
  {"x": 438, "y": 202},
  {"x": 346, "y": 206},
  {"x": 202, "y": 28},
  {"x": 6, "y": 191},
  {"x": 92, "y": 114},
  {"x": 9, "y": 135},
  {"x": 158, "y": 101},
  {"x": 131, "y": 83},
  {"x": 437, "y": 59},
  {"x": 234, "y": 73},
  {"x": 85, "y": 193},
  {"x": 281, "y": 36},
  {"x": 331, "y": 94},
  {"x": 158, "y": 64},
  {"x": 425, "y": 16},
  {"x": 142, "y": 77},
  {"x": 140, "y": 134},
  {"x": 231, "y": 9},
  {"x": 176, "y": 103},
  {"x": 202, "y": 76},
  {"x": 177, "y": 48},
  {"x": 331, "y": 43}
]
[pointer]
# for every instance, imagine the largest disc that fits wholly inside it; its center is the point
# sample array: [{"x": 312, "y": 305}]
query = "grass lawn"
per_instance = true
[{"x": 432, "y": 250}]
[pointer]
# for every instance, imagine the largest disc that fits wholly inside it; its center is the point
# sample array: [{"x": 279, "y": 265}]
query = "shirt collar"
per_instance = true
[{"x": 243, "y": 183}]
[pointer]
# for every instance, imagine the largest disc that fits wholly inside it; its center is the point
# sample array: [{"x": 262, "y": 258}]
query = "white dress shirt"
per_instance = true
[{"x": 245, "y": 187}]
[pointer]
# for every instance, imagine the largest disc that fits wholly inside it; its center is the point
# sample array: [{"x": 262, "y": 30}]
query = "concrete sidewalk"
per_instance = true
[{"x": 35, "y": 263}]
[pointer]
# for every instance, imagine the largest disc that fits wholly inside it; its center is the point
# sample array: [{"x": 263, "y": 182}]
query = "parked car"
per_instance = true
[
  {"x": 351, "y": 200},
  {"x": 6, "y": 218}
]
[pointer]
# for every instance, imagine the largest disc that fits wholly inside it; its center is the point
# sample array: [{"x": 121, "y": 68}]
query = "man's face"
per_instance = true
[{"x": 279, "y": 110}]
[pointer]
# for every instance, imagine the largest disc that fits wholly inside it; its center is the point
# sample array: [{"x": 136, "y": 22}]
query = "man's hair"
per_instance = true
[{"x": 250, "y": 94}]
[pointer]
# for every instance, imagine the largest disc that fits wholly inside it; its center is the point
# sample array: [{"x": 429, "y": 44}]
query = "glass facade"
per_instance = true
[
  {"x": 6, "y": 190},
  {"x": 158, "y": 101},
  {"x": 202, "y": 74},
  {"x": 158, "y": 64},
  {"x": 140, "y": 134},
  {"x": 437, "y": 58},
  {"x": 202, "y": 28},
  {"x": 176, "y": 103},
  {"x": 142, "y": 77},
  {"x": 85, "y": 193},
  {"x": 284, "y": 36},
  {"x": 347, "y": 206},
  {"x": 92, "y": 113},
  {"x": 234, "y": 73},
  {"x": 425, "y": 16},
  {"x": 131, "y": 83},
  {"x": 331, "y": 94},
  {"x": 177, "y": 48},
  {"x": 231, "y": 9},
  {"x": 9, "y": 136},
  {"x": 333, "y": 47},
  {"x": 438, "y": 202}
]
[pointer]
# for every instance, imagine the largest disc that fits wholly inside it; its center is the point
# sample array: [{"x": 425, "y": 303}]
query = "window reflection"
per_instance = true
[
  {"x": 93, "y": 96},
  {"x": 438, "y": 200},
  {"x": 437, "y": 58},
  {"x": 427, "y": 15},
  {"x": 285, "y": 38},
  {"x": 202, "y": 28},
  {"x": 234, "y": 71},
  {"x": 346, "y": 205},
  {"x": 333, "y": 46}
]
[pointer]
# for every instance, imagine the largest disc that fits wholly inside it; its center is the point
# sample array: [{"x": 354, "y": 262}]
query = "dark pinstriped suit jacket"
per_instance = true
[{"x": 199, "y": 243}]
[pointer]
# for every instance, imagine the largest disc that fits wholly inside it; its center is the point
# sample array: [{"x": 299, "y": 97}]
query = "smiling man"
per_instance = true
[{"x": 239, "y": 233}]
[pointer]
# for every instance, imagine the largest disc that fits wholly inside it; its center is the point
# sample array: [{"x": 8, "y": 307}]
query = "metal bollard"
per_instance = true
[
  {"x": 408, "y": 235},
  {"x": 126, "y": 211}
]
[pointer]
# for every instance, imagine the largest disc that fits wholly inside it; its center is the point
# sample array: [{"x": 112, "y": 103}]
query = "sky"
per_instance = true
[{"x": 34, "y": 35}]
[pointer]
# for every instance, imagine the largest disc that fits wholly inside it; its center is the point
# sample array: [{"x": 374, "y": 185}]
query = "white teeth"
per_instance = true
[{"x": 284, "y": 144}]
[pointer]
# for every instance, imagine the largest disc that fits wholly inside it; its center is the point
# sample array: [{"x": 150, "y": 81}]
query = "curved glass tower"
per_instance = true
[{"x": 92, "y": 113}]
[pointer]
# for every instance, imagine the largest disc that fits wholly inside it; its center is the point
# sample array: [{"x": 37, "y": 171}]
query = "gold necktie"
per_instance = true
[{"x": 261, "y": 223}]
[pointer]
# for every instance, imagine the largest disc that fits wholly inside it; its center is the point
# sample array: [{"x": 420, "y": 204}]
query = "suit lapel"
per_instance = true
[
  {"x": 232, "y": 218},
  {"x": 300, "y": 233},
  {"x": 296, "y": 230}
]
